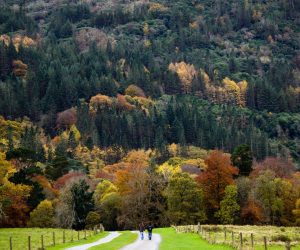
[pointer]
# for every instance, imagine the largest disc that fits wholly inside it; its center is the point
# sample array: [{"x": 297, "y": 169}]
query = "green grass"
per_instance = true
[
  {"x": 185, "y": 241},
  {"x": 124, "y": 239},
  {"x": 170, "y": 239},
  {"x": 275, "y": 247},
  {"x": 271, "y": 232},
  {"x": 80, "y": 242},
  {"x": 20, "y": 237}
]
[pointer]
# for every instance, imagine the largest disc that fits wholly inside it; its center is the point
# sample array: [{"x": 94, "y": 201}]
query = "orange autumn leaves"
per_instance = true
[
  {"x": 13, "y": 197},
  {"x": 133, "y": 175},
  {"x": 19, "y": 67},
  {"x": 133, "y": 98},
  {"x": 218, "y": 175}
]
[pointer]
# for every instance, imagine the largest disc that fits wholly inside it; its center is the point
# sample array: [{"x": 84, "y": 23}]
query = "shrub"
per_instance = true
[
  {"x": 214, "y": 229},
  {"x": 92, "y": 219},
  {"x": 281, "y": 237}
]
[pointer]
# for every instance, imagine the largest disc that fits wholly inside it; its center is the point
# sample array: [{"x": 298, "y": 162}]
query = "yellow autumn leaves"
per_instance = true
[{"x": 230, "y": 91}]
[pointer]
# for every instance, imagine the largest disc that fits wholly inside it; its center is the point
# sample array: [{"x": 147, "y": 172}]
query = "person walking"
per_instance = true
[
  {"x": 149, "y": 229},
  {"x": 142, "y": 229}
]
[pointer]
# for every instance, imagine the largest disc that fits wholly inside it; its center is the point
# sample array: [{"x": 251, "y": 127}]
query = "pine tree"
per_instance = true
[
  {"x": 242, "y": 158},
  {"x": 83, "y": 203},
  {"x": 4, "y": 62}
]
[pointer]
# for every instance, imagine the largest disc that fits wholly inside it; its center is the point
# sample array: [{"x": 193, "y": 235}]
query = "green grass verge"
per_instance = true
[
  {"x": 272, "y": 234},
  {"x": 276, "y": 247},
  {"x": 20, "y": 237},
  {"x": 185, "y": 241},
  {"x": 78, "y": 243},
  {"x": 124, "y": 239}
]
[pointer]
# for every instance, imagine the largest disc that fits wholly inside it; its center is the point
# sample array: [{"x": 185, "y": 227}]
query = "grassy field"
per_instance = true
[
  {"x": 185, "y": 241},
  {"x": 20, "y": 237},
  {"x": 124, "y": 239},
  {"x": 213, "y": 238},
  {"x": 91, "y": 239},
  {"x": 275, "y": 236}
]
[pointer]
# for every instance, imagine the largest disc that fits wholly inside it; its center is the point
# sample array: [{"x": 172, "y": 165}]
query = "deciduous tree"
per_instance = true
[
  {"x": 218, "y": 175},
  {"x": 185, "y": 200},
  {"x": 92, "y": 220},
  {"x": 266, "y": 193},
  {"x": 134, "y": 90},
  {"x": 296, "y": 212},
  {"x": 186, "y": 73},
  {"x": 252, "y": 213},
  {"x": 281, "y": 167},
  {"x": 14, "y": 201},
  {"x": 229, "y": 207},
  {"x": 42, "y": 215},
  {"x": 75, "y": 202}
]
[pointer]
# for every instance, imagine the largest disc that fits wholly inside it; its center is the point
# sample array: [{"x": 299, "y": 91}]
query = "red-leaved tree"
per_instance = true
[{"x": 218, "y": 175}]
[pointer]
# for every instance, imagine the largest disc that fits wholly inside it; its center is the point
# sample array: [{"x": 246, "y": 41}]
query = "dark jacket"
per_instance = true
[
  {"x": 141, "y": 227},
  {"x": 150, "y": 228}
]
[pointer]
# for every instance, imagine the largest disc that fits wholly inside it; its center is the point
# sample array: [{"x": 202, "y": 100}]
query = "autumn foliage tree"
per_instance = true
[
  {"x": 132, "y": 185},
  {"x": 19, "y": 68},
  {"x": 123, "y": 104},
  {"x": 186, "y": 73},
  {"x": 282, "y": 168},
  {"x": 107, "y": 203},
  {"x": 42, "y": 215},
  {"x": 296, "y": 212},
  {"x": 67, "y": 118},
  {"x": 140, "y": 190},
  {"x": 229, "y": 207},
  {"x": 134, "y": 90},
  {"x": 92, "y": 220},
  {"x": 252, "y": 213},
  {"x": 69, "y": 177},
  {"x": 14, "y": 199},
  {"x": 266, "y": 192},
  {"x": 100, "y": 101},
  {"x": 218, "y": 175},
  {"x": 75, "y": 202},
  {"x": 185, "y": 200}
]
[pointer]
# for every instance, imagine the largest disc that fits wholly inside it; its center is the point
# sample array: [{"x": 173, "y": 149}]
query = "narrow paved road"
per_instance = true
[
  {"x": 106, "y": 239},
  {"x": 145, "y": 244}
]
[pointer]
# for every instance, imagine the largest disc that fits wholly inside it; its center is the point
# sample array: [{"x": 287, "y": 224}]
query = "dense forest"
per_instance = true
[{"x": 109, "y": 107}]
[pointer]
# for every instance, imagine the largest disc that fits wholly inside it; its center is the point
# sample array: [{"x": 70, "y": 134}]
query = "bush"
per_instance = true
[
  {"x": 92, "y": 219},
  {"x": 214, "y": 229},
  {"x": 281, "y": 237}
]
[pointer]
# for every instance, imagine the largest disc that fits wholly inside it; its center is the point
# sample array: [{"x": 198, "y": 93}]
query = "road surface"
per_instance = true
[
  {"x": 106, "y": 239},
  {"x": 145, "y": 244}
]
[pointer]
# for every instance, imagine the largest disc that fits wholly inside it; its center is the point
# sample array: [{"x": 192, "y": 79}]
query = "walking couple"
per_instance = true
[{"x": 149, "y": 229}]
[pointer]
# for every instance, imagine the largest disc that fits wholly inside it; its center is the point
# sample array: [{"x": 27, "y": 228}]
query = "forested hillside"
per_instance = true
[{"x": 94, "y": 92}]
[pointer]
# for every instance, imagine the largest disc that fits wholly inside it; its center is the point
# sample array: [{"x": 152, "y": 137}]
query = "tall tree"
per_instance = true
[
  {"x": 229, "y": 207},
  {"x": 107, "y": 204},
  {"x": 242, "y": 158},
  {"x": 296, "y": 212},
  {"x": 185, "y": 200},
  {"x": 75, "y": 202},
  {"x": 218, "y": 175},
  {"x": 83, "y": 203},
  {"x": 266, "y": 193}
]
